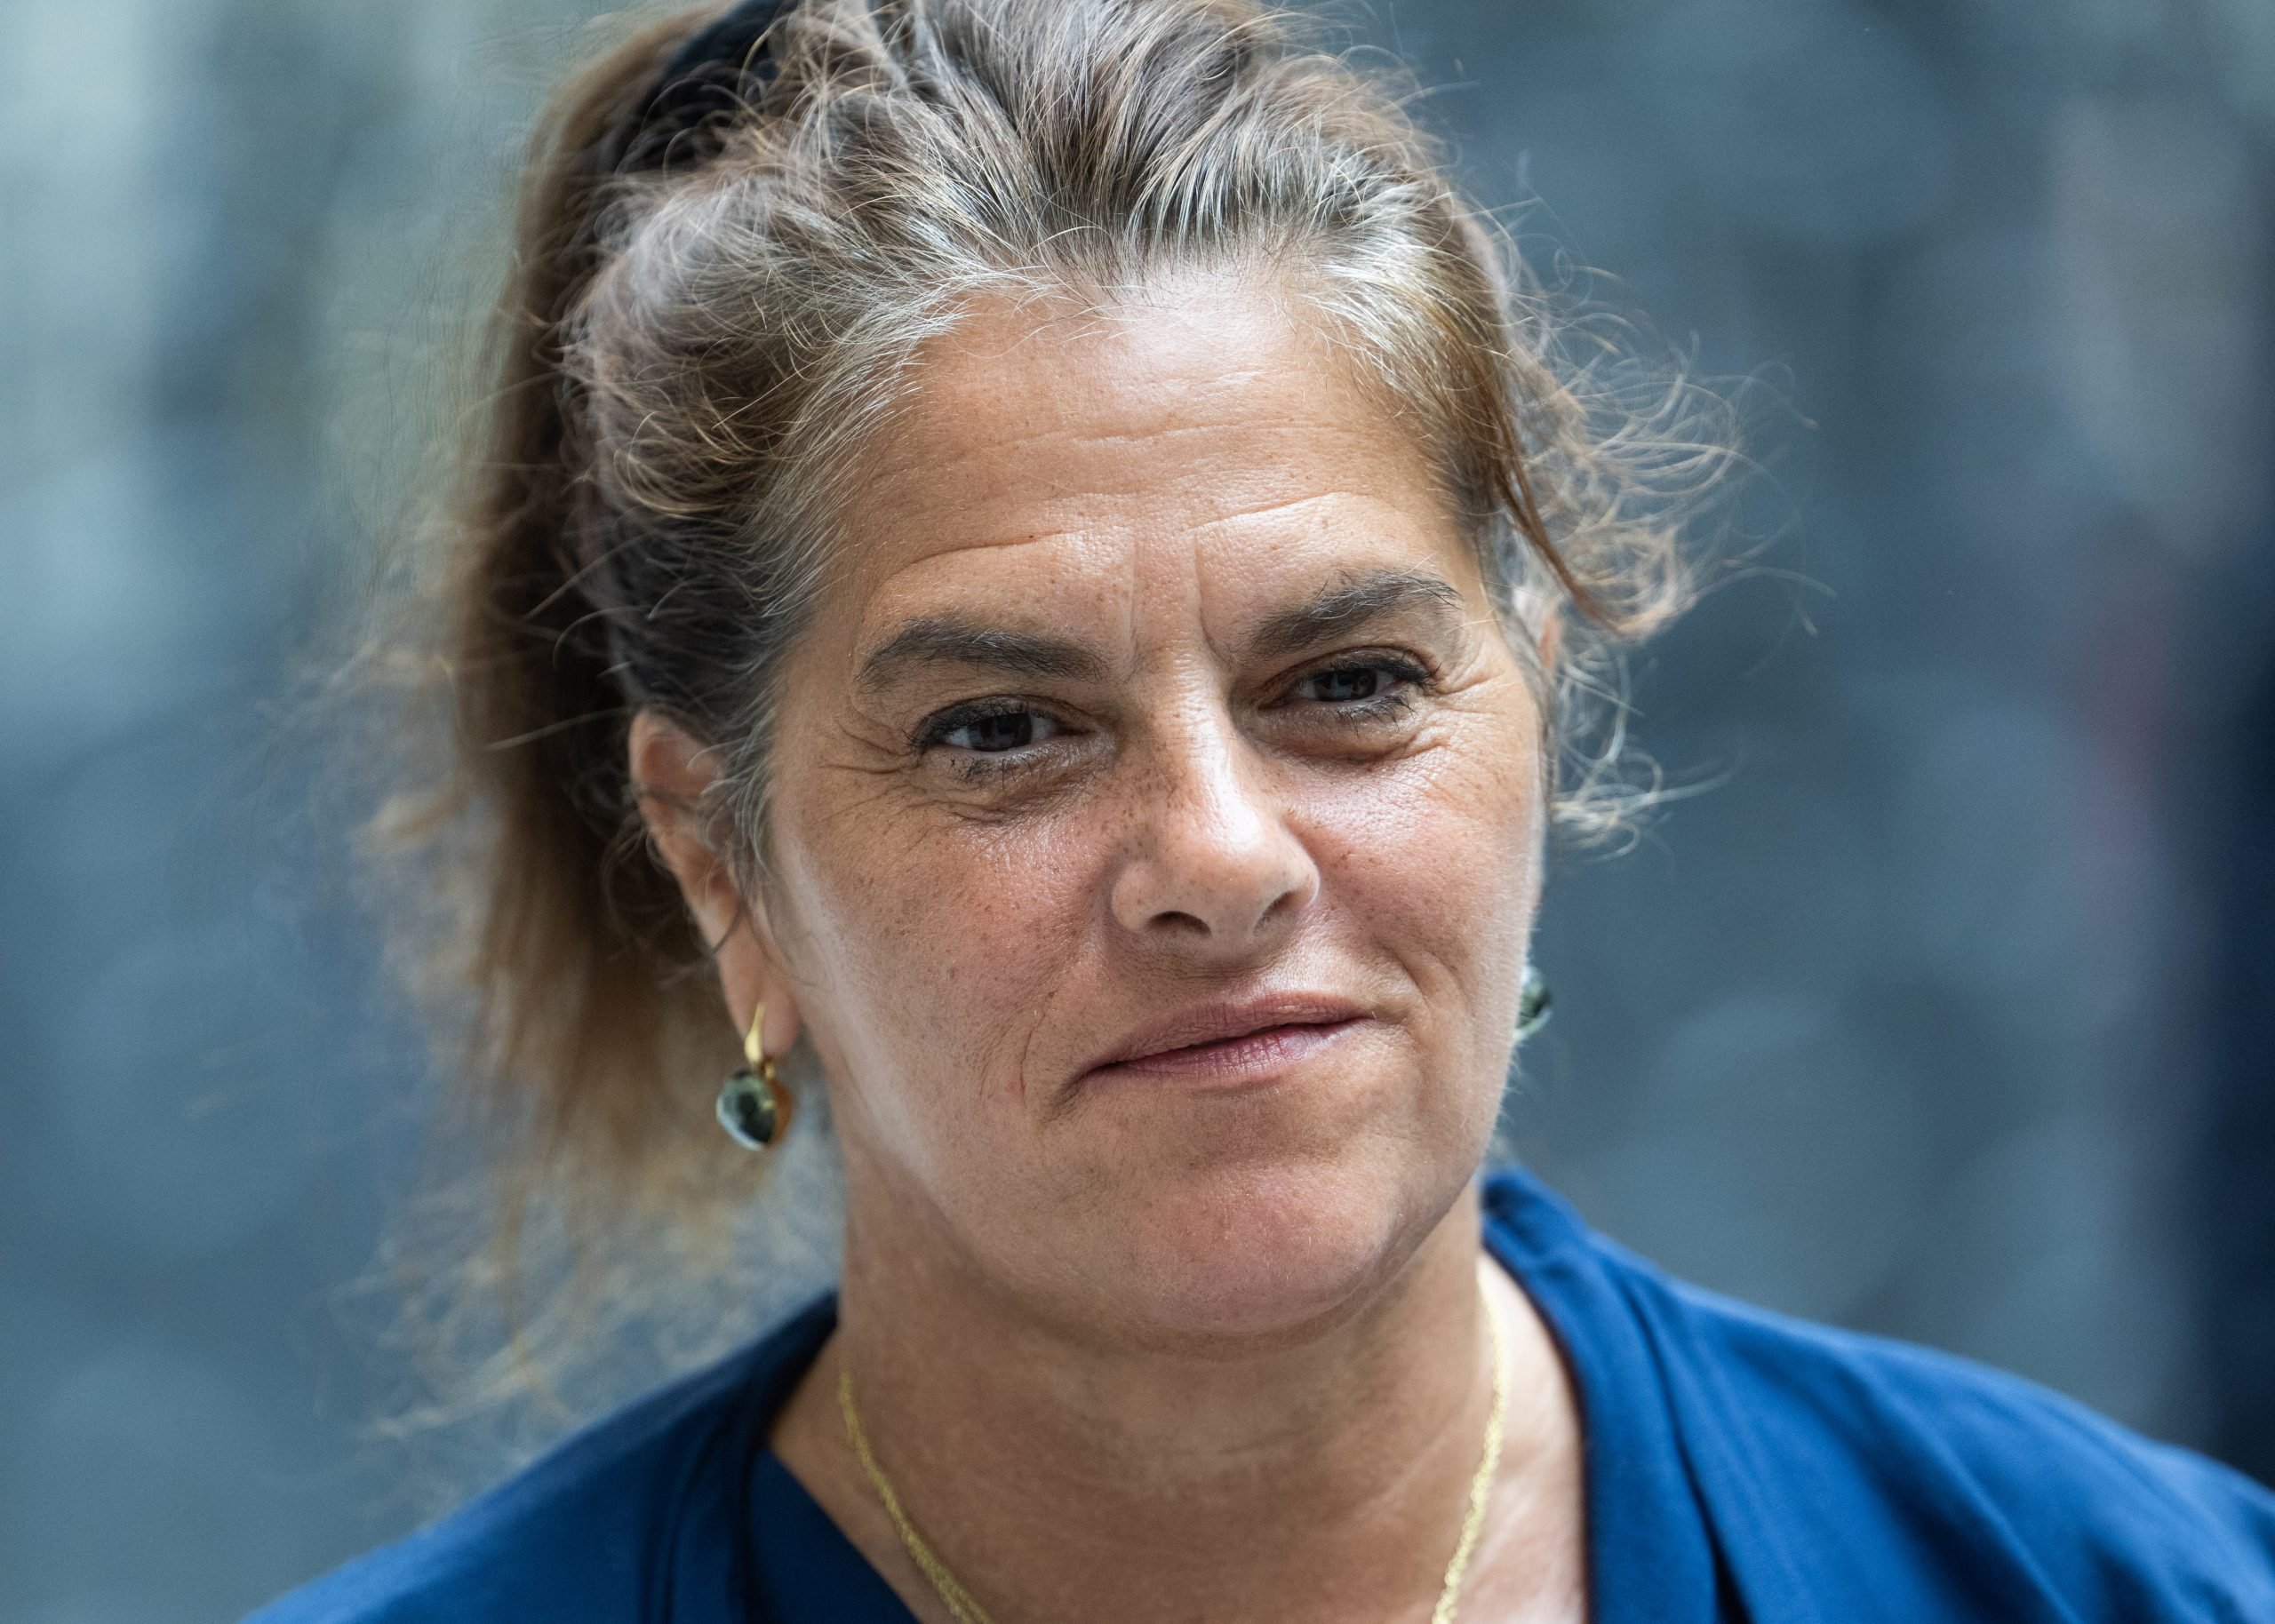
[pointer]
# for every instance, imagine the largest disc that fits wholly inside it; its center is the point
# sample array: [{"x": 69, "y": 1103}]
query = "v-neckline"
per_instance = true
[{"x": 1650, "y": 1558}]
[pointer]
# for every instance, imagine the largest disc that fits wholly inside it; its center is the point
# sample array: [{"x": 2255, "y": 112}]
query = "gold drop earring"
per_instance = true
[{"x": 753, "y": 1106}]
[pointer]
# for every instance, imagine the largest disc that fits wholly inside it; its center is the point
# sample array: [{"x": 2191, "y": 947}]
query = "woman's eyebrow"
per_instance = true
[
  {"x": 951, "y": 639},
  {"x": 1354, "y": 602}
]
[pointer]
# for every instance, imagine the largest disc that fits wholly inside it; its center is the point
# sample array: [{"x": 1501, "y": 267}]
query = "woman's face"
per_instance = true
[{"x": 1156, "y": 824}]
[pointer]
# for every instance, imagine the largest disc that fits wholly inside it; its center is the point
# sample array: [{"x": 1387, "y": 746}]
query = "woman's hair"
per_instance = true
[{"x": 731, "y": 257}]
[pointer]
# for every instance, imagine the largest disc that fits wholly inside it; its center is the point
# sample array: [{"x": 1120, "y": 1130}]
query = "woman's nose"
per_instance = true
[{"x": 1213, "y": 866}]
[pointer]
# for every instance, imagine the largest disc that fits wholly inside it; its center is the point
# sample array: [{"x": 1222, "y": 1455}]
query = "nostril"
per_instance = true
[{"x": 1291, "y": 899}]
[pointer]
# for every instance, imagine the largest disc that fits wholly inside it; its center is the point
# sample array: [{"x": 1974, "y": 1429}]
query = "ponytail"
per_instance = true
[{"x": 591, "y": 1016}]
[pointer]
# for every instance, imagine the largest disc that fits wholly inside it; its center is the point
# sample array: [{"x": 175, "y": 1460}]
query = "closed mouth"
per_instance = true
[{"x": 1234, "y": 1040}]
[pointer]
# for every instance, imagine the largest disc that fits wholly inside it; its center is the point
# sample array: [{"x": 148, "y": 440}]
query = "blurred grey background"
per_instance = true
[{"x": 1944, "y": 1015}]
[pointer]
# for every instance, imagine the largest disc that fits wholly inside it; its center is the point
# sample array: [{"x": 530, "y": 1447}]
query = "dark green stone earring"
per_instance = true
[
  {"x": 753, "y": 1106},
  {"x": 1532, "y": 1003}
]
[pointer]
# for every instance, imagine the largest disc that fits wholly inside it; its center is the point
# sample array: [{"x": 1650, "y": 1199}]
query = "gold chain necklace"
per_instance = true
[{"x": 964, "y": 1610}]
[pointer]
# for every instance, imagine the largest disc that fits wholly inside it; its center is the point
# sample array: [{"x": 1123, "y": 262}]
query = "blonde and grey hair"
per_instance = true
[{"x": 692, "y": 357}]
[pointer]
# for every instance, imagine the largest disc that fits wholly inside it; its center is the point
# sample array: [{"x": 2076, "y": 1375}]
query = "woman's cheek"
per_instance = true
[
  {"x": 1015, "y": 920},
  {"x": 1436, "y": 868},
  {"x": 980, "y": 924},
  {"x": 1447, "y": 841}
]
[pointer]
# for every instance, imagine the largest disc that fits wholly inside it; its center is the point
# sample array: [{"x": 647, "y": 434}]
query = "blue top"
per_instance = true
[{"x": 1739, "y": 1466}]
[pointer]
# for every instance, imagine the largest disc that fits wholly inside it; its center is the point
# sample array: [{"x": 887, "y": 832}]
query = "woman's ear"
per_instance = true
[
  {"x": 1548, "y": 635},
  {"x": 1540, "y": 617},
  {"x": 673, "y": 775}
]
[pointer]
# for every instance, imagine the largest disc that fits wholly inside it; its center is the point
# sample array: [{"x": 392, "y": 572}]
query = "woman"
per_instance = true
[{"x": 1055, "y": 525}]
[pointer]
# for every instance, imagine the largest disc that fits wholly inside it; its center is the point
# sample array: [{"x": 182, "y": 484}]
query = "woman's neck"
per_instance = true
[{"x": 1064, "y": 1476}]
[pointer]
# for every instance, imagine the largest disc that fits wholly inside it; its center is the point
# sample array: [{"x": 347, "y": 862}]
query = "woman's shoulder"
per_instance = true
[
  {"x": 644, "y": 1500},
  {"x": 1831, "y": 1460}
]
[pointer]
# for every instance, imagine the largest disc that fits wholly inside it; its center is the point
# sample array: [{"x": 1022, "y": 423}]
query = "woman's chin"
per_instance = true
[{"x": 1262, "y": 1256}]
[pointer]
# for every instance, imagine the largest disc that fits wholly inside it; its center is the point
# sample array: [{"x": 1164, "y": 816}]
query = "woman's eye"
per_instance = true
[
  {"x": 1356, "y": 684},
  {"x": 1344, "y": 683},
  {"x": 993, "y": 732}
]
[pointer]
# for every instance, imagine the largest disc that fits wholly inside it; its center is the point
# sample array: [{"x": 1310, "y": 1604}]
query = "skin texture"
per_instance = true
[{"x": 1157, "y": 677}]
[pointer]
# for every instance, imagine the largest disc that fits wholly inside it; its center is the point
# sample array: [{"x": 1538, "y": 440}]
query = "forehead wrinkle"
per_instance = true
[
  {"x": 1109, "y": 462},
  {"x": 1072, "y": 405},
  {"x": 1291, "y": 505},
  {"x": 1011, "y": 540}
]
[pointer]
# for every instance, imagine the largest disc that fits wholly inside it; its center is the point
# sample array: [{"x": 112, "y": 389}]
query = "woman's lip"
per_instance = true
[
  {"x": 1202, "y": 1037},
  {"x": 1252, "y": 1057}
]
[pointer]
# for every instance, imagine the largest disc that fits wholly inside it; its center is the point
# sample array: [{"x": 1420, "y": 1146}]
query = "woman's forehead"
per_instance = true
[
  {"x": 1212, "y": 448},
  {"x": 1046, "y": 398}
]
